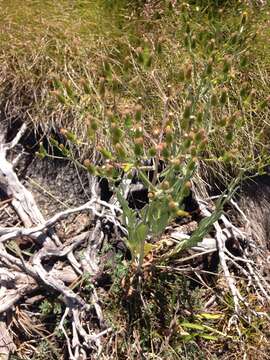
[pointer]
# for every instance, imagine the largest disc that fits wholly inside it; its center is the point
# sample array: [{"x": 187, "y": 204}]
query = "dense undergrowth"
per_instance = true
[{"x": 77, "y": 65}]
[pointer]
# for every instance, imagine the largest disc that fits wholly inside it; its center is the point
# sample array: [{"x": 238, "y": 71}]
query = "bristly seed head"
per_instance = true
[{"x": 139, "y": 141}]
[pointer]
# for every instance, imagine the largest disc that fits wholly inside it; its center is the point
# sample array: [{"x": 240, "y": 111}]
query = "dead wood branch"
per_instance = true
[
  {"x": 245, "y": 264},
  {"x": 6, "y": 342},
  {"x": 22, "y": 200},
  {"x": 34, "y": 232},
  {"x": 31, "y": 273}
]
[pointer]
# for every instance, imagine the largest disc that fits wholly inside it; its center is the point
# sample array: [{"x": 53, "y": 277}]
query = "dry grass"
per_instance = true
[
  {"x": 64, "y": 47},
  {"x": 56, "y": 57}
]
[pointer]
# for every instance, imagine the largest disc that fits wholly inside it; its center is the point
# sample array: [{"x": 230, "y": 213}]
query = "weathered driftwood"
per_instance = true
[
  {"x": 225, "y": 230},
  {"x": 18, "y": 277}
]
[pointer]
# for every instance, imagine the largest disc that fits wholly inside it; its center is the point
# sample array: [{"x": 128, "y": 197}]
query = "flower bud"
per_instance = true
[
  {"x": 232, "y": 120},
  {"x": 187, "y": 142},
  {"x": 214, "y": 100},
  {"x": 115, "y": 84},
  {"x": 138, "y": 141},
  {"x": 90, "y": 167},
  {"x": 185, "y": 124},
  {"x": 139, "y": 50},
  {"x": 159, "y": 46},
  {"x": 168, "y": 129},
  {"x": 193, "y": 150},
  {"x": 244, "y": 18},
  {"x": 102, "y": 86},
  {"x": 209, "y": 67},
  {"x": 211, "y": 45},
  {"x": 187, "y": 110},
  {"x": 226, "y": 65},
  {"x": 199, "y": 136},
  {"x": 223, "y": 97},
  {"x": 244, "y": 61},
  {"x": 116, "y": 133},
  {"x": 109, "y": 169},
  {"x": 165, "y": 185},
  {"x": 126, "y": 62},
  {"x": 138, "y": 112},
  {"x": 120, "y": 151},
  {"x": 107, "y": 154},
  {"x": 184, "y": 7},
  {"x": 87, "y": 162},
  {"x": 138, "y": 149},
  {"x": 168, "y": 134},
  {"x": 252, "y": 94},
  {"x": 191, "y": 134},
  {"x": 186, "y": 188},
  {"x": 165, "y": 153},
  {"x": 244, "y": 90},
  {"x": 137, "y": 131},
  {"x": 152, "y": 152},
  {"x": 192, "y": 164},
  {"x": 68, "y": 88},
  {"x": 188, "y": 73},
  {"x": 192, "y": 119},
  {"x": 169, "y": 138},
  {"x": 234, "y": 38},
  {"x": 199, "y": 117},
  {"x": 229, "y": 136},
  {"x": 151, "y": 195},
  {"x": 203, "y": 133},
  {"x": 169, "y": 91},
  {"x": 107, "y": 69},
  {"x": 60, "y": 97},
  {"x": 94, "y": 125},
  {"x": 202, "y": 146},
  {"x": 181, "y": 75},
  {"x": 172, "y": 205},
  {"x": 188, "y": 185},
  {"x": 85, "y": 85},
  {"x": 176, "y": 162},
  {"x": 263, "y": 104}
]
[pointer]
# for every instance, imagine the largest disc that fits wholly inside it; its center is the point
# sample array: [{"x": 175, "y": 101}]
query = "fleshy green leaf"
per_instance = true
[
  {"x": 141, "y": 232},
  {"x": 208, "y": 337},
  {"x": 193, "y": 326},
  {"x": 210, "y": 316}
]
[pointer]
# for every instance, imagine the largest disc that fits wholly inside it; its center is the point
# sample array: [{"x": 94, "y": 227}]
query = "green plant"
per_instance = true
[
  {"x": 178, "y": 143},
  {"x": 167, "y": 189},
  {"x": 50, "y": 307}
]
